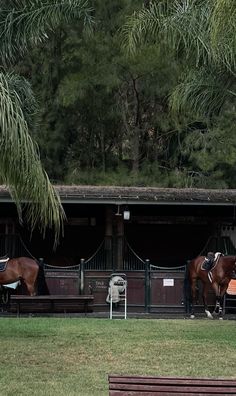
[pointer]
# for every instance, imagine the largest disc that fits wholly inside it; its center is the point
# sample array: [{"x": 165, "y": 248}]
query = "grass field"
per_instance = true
[{"x": 73, "y": 356}]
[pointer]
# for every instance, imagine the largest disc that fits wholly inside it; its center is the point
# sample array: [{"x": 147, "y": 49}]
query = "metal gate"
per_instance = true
[
  {"x": 165, "y": 289},
  {"x": 96, "y": 272}
]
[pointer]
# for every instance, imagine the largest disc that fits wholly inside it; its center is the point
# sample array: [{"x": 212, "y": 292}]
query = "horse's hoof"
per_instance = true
[
  {"x": 220, "y": 318},
  {"x": 192, "y": 316}
]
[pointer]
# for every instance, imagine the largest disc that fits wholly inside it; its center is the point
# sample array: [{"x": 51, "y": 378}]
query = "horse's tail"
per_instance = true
[
  {"x": 187, "y": 288},
  {"x": 42, "y": 286}
]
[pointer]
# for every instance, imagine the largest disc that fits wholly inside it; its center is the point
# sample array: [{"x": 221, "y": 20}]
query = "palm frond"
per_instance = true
[
  {"x": 202, "y": 93},
  {"x": 25, "y": 25},
  {"x": 183, "y": 24},
  {"x": 28, "y": 102},
  {"x": 203, "y": 32},
  {"x": 21, "y": 169},
  {"x": 223, "y": 33},
  {"x": 142, "y": 25}
]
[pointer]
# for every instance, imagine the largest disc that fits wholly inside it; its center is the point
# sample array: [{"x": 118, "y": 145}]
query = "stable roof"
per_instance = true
[
  {"x": 145, "y": 195},
  {"x": 138, "y": 195}
]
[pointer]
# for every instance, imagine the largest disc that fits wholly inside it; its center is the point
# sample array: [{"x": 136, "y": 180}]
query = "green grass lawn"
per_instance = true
[{"x": 73, "y": 356}]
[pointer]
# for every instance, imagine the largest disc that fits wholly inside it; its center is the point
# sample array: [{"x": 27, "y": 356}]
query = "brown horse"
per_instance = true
[
  {"x": 21, "y": 269},
  {"x": 220, "y": 275}
]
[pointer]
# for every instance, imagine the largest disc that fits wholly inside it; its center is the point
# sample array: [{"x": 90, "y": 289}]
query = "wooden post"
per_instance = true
[
  {"x": 82, "y": 276},
  {"x": 120, "y": 243},
  {"x": 109, "y": 238},
  {"x": 147, "y": 285}
]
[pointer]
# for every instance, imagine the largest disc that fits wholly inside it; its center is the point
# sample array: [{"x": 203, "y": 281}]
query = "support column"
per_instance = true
[
  {"x": 120, "y": 243},
  {"x": 109, "y": 238}
]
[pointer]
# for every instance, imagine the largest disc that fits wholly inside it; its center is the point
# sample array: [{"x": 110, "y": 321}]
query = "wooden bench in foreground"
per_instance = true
[
  {"x": 169, "y": 386},
  {"x": 52, "y": 302}
]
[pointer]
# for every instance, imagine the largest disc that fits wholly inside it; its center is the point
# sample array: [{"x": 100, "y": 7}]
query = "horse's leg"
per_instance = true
[
  {"x": 30, "y": 280},
  {"x": 220, "y": 300},
  {"x": 222, "y": 295},
  {"x": 32, "y": 291},
  {"x": 216, "y": 289},
  {"x": 219, "y": 291},
  {"x": 31, "y": 286},
  {"x": 6, "y": 299},
  {"x": 193, "y": 296},
  {"x": 204, "y": 298}
]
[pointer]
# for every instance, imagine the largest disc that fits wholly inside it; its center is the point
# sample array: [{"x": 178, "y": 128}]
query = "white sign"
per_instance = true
[{"x": 168, "y": 282}]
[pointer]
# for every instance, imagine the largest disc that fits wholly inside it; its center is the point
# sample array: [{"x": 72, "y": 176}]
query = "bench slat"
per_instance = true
[
  {"x": 166, "y": 380},
  {"x": 52, "y": 297},
  {"x": 177, "y": 388},
  {"x": 143, "y": 385},
  {"x": 172, "y": 393}
]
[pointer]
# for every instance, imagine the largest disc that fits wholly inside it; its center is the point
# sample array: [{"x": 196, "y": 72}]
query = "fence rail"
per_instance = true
[
  {"x": 132, "y": 261},
  {"x": 98, "y": 261},
  {"x": 181, "y": 268}
]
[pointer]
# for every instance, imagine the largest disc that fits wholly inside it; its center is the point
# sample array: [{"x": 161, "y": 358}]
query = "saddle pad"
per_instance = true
[
  {"x": 3, "y": 266},
  {"x": 12, "y": 285}
]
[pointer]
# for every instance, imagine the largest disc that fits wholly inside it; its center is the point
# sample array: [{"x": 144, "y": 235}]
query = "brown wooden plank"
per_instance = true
[
  {"x": 176, "y": 380},
  {"x": 144, "y": 385},
  {"x": 177, "y": 389},
  {"x": 132, "y": 393},
  {"x": 52, "y": 297}
]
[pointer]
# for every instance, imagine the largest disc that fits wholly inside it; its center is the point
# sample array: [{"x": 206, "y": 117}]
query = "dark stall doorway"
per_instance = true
[
  {"x": 83, "y": 234},
  {"x": 78, "y": 242},
  {"x": 167, "y": 245}
]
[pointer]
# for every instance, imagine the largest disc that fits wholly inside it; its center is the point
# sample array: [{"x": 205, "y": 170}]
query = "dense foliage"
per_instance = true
[{"x": 155, "y": 109}]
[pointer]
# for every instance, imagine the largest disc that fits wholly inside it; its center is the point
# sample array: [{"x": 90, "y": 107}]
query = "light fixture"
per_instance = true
[{"x": 126, "y": 214}]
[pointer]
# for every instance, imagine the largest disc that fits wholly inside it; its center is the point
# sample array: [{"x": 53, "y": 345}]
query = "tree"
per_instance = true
[
  {"x": 102, "y": 100},
  {"x": 203, "y": 34},
  {"x": 24, "y": 25},
  {"x": 105, "y": 115}
]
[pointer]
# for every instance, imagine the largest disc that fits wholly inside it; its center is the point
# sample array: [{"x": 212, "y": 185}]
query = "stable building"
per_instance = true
[{"x": 147, "y": 233}]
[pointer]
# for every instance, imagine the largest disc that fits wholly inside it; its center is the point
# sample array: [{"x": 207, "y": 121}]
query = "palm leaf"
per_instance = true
[
  {"x": 202, "y": 92},
  {"x": 21, "y": 168},
  {"x": 26, "y": 24},
  {"x": 181, "y": 24},
  {"x": 223, "y": 33},
  {"x": 203, "y": 33}
]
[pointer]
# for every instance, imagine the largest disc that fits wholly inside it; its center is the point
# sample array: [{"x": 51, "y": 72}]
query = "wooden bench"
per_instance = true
[
  {"x": 169, "y": 386},
  {"x": 52, "y": 302}
]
